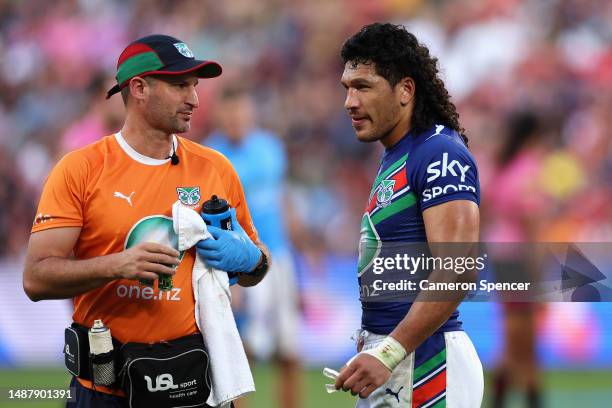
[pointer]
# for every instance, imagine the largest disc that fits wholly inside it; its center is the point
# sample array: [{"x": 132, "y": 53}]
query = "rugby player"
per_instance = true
[{"x": 426, "y": 190}]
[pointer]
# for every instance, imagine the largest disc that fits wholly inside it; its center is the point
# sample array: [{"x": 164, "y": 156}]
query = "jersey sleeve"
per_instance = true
[
  {"x": 441, "y": 170},
  {"x": 62, "y": 198}
]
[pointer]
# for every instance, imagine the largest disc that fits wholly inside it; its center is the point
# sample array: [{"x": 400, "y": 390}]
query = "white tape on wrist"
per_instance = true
[{"x": 389, "y": 352}]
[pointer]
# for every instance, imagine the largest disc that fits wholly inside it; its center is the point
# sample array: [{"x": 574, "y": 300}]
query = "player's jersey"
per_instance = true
[
  {"x": 418, "y": 172},
  {"x": 120, "y": 198},
  {"x": 260, "y": 161}
]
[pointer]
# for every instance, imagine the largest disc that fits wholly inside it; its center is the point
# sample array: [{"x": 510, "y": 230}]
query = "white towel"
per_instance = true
[{"x": 230, "y": 372}]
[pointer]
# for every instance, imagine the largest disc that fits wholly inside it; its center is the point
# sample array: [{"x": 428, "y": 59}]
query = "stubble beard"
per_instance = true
[
  {"x": 179, "y": 126},
  {"x": 367, "y": 137},
  {"x": 384, "y": 126},
  {"x": 169, "y": 124},
  {"x": 166, "y": 121},
  {"x": 390, "y": 122},
  {"x": 369, "y": 134},
  {"x": 376, "y": 133}
]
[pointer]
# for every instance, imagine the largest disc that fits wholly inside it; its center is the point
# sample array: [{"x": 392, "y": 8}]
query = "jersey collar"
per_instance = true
[{"x": 140, "y": 158}]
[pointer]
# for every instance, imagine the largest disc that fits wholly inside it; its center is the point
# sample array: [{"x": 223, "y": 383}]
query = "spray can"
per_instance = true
[{"x": 100, "y": 353}]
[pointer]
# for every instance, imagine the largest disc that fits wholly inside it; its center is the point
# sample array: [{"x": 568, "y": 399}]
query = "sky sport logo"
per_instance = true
[
  {"x": 447, "y": 167},
  {"x": 440, "y": 168},
  {"x": 430, "y": 193}
]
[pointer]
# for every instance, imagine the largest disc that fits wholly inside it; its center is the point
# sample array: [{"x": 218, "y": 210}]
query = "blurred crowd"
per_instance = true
[{"x": 542, "y": 67}]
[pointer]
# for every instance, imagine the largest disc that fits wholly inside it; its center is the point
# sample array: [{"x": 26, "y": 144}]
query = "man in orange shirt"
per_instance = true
[{"x": 104, "y": 218}]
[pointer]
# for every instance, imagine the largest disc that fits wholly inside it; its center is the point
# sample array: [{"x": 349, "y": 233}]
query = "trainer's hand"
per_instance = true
[
  {"x": 145, "y": 261},
  {"x": 229, "y": 251},
  {"x": 363, "y": 375}
]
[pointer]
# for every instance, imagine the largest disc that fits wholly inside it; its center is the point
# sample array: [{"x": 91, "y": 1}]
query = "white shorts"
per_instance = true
[
  {"x": 444, "y": 371},
  {"x": 272, "y": 312}
]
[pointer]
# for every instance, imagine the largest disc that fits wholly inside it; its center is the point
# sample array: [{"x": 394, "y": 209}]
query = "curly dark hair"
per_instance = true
[{"x": 397, "y": 54}]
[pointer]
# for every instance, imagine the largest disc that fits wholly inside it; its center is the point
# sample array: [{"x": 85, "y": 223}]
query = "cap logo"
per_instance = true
[{"x": 184, "y": 50}]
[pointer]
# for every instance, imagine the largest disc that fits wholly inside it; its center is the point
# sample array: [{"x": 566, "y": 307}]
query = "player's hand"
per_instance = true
[
  {"x": 146, "y": 261},
  {"x": 229, "y": 251},
  {"x": 363, "y": 375}
]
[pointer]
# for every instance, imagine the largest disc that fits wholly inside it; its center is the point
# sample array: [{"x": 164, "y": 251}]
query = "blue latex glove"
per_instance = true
[{"x": 229, "y": 251}]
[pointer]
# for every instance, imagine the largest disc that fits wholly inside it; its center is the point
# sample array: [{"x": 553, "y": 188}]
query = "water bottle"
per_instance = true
[
  {"x": 216, "y": 212},
  {"x": 100, "y": 353}
]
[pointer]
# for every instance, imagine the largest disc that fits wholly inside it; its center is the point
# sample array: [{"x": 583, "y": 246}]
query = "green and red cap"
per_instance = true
[{"x": 159, "y": 55}]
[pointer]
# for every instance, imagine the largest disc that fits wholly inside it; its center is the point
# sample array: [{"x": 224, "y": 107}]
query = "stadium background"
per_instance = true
[{"x": 550, "y": 57}]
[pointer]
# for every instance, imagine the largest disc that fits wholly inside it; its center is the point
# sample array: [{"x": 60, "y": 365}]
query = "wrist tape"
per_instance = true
[{"x": 389, "y": 352}]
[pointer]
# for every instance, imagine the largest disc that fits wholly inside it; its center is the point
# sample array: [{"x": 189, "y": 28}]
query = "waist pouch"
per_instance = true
[{"x": 167, "y": 374}]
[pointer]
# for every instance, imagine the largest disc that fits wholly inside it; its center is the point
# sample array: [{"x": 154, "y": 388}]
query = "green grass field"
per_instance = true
[{"x": 583, "y": 389}]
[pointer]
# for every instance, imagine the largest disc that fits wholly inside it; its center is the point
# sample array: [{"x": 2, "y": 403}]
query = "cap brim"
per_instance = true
[{"x": 203, "y": 69}]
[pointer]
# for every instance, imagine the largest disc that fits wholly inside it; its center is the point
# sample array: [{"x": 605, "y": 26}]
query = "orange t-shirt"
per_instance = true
[{"x": 120, "y": 198}]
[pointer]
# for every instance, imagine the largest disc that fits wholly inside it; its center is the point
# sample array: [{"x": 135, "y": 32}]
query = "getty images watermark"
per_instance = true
[
  {"x": 534, "y": 272},
  {"x": 412, "y": 264},
  {"x": 458, "y": 265}
]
